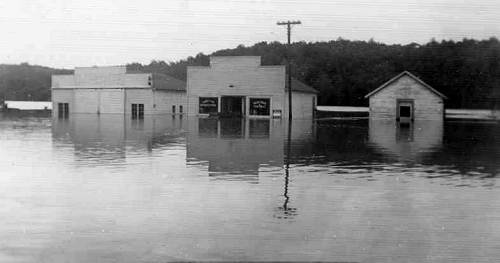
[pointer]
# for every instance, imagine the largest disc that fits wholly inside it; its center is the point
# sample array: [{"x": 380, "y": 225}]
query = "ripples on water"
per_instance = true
[{"x": 107, "y": 188}]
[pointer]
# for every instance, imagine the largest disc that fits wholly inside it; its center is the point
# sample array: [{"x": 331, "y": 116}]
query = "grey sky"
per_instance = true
[{"x": 65, "y": 33}]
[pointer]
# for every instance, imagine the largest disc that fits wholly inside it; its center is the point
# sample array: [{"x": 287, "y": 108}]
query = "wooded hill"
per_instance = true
[
  {"x": 26, "y": 82},
  {"x": 344, "y": 71}
]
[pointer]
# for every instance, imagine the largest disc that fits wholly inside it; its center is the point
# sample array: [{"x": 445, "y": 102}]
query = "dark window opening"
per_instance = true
[
  {"x": 173, "y": 109},
  {"x": 180, "y": 109},
  {"x": 137, "y": 111},
  {"x": 404, "y": 111},
  {"x": 63, "y": 110},
  {"x": 260, "y": 107},
  {"x": 208, "y": 104},
  {"x": 134, "y": 111}
]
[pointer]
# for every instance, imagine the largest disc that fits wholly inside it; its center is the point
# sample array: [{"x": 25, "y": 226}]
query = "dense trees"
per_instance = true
[
  {"x": 467, "y": 71},
  {"x": 26, "y": 82}
]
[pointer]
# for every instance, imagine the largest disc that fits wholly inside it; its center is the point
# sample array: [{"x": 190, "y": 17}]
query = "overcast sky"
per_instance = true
[{"x": 66, "y": 33}]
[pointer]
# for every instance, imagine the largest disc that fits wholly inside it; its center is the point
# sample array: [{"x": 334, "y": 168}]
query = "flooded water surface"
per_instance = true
[{"x": 111, "y": 189}]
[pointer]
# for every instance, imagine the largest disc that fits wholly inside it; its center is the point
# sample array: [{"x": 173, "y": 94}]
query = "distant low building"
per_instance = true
[
  {"x": 406, "y": 98},
  {"x": 113, "y": 90},
  {"x": 28, "y": 105},
  {"x": 241, "y": 86}
]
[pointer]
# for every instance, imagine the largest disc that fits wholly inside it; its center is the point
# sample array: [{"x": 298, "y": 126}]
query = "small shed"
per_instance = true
[{"x": 406, "y": 98}]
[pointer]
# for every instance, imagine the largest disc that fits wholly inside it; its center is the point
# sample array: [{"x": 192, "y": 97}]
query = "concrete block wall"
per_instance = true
[
  {"x": 111, "y": 101},
  {"x": 101, "y": 77},
  {"x": 62, "y": 96},
  {"x": 110, "y": 90},
  {"x": 63, "y": 81},
  {"x": 139, "y": 96},
  {"x": 427, "y": 104},
  {"x": 164, "y": 100}
]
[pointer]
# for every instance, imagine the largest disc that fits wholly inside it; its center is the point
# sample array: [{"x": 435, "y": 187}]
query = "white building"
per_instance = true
[
  {"x": 241, "y": 86},
  {"x": 406, "y": 98},
  {"x": 112, "y": 90}
]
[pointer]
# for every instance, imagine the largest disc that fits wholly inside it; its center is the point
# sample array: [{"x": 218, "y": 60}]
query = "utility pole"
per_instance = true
[{"x": 289, "y": 32}]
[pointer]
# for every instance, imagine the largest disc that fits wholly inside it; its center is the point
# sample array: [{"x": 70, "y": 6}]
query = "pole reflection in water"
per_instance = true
[
  {"x": 287, "y": 212},
  {"x": 111, "y": 189}
]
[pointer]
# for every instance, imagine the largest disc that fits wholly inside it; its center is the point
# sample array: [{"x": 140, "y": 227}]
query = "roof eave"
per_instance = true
[{"x": 413, "y": 77}]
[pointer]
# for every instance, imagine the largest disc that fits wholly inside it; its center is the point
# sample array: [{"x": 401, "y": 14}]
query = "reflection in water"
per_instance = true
[
  {"x": 232, "y": 128},
  {"x": 388, "y": 190},
  {"x": 285, "y": 211},
  {"x": 108, "y": 139},
  {"x": 410, "y": 142},
  {"x": 458, "y": 152},
  {"x": 235, "y": 149},
  {"x": 471, "y": 149},
  {"x": 238, "y": 149}
]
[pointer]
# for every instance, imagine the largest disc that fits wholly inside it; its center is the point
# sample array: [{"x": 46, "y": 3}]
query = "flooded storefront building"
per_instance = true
[
  {"x": 114, "y": 90},
  {"x": 241, "y": 86},
  {"x": 406, "y": 98}
]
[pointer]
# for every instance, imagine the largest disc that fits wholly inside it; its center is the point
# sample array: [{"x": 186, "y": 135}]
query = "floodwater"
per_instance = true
[{"x": 110, "y": 189}]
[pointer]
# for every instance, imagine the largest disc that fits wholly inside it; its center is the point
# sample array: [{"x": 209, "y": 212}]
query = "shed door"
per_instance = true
[{"x": 405, "y": 111}]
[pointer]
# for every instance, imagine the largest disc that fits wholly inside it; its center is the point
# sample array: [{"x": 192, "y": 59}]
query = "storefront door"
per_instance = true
[{"x": 232, "y": 106}]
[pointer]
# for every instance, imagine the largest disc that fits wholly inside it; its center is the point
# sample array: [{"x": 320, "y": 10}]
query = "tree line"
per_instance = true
[
  {"x": 343, "y": 71},
  {"x": 26, "y": 82}
]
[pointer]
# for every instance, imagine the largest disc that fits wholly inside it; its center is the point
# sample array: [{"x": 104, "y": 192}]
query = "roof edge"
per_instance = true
[{"x": 411, "y": 76}]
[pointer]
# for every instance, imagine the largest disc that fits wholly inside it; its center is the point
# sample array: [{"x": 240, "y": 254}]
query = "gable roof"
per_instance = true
[
  {"x": 411, "y": 76},
  {"x": 299, "y": 86}
]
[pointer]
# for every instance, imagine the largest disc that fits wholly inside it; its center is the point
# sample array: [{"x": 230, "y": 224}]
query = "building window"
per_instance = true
[
  {"x": 63, "y": 110},
  {"x": 260, "y": 107},
  {"x": 137, "y": 111},
  {"x": 150, "y": 81},
  {"x": 208, "y": 104},
  {"x": 173, "y": 109},
  {"x": 180, "y": 109}
]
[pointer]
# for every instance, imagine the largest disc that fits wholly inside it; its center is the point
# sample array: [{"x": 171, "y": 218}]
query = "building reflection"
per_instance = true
[
  {"x": 235, "y": 148},
  {"x": 410, "y": 142},
  {"x": 110, "y": 137},
  {"x": 238, "y": 150}
]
